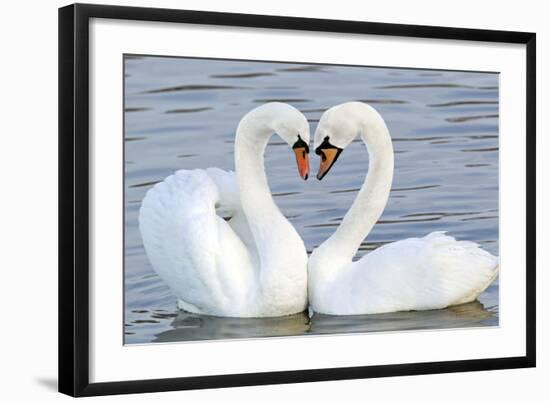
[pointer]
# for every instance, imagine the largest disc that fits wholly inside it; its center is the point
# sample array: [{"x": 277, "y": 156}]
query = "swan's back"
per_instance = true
[
  {"x": 190, "y": 247},
  {"x": 432, "y": 272}
]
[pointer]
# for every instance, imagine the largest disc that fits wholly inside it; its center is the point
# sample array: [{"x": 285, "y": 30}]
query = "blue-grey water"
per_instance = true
[{"x": 182, "y": 113}]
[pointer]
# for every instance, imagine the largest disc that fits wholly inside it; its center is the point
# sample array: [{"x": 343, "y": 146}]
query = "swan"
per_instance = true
[
  {"x": 431, "y": 272},
  {"x": 218, "y": 239}
]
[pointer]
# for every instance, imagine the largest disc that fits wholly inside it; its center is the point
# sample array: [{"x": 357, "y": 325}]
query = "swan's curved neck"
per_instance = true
[
  {"x": 251, "y": 140},
  {"x": 374, "y": 193},
  {"x": 274, "y": 236}
]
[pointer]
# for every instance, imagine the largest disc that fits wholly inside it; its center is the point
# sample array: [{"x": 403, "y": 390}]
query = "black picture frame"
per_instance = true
[{"x": 74, "y": 201}]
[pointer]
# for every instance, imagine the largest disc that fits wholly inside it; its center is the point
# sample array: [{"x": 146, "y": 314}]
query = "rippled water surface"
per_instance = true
[{"x": 182, "y": 113}]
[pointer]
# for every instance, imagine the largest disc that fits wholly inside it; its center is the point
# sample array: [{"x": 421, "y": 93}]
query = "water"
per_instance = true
[{"x": 182, "y": 114}]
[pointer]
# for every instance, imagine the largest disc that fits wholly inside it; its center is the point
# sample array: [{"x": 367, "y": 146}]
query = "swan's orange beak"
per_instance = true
[
  {"x": 301, "y": 150},
  {"x": 328, "y": 157},
  {"x": 302, "y": 160}
]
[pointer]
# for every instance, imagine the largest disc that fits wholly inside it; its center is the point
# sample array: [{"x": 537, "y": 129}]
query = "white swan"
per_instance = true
[
  {"x": 255, "y": 263},
  {"x": 432, "y": 272}
]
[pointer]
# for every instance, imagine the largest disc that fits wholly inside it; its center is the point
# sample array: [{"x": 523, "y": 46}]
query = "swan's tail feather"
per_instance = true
[{"x": 463, "y": 269}]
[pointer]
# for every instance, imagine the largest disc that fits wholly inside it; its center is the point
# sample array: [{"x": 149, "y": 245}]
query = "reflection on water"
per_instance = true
[
  {"x": 182, "y": 114},
  {"x": 187, "y": 326},
  {"x": 467, "y": 315}
]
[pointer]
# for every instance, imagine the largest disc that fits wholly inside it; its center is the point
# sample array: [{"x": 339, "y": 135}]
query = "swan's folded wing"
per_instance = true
[
  {"x": 420, "y": 273},
  {"x": 185, "y": 239}
]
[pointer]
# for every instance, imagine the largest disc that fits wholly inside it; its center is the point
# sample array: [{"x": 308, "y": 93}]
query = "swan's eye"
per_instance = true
[
  {"x": 325, "y": 145},
  {"x": 300, "y": 143}
]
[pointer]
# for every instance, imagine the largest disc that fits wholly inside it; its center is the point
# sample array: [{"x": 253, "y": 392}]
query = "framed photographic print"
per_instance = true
[{"x": 250, "y": 199}]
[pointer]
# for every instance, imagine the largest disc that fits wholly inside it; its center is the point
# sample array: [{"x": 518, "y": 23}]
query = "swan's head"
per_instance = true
[
  {"x": 335, "y": 131},
  {"x": 340, "y": 125},
  {"x": 291, "y": 125}
]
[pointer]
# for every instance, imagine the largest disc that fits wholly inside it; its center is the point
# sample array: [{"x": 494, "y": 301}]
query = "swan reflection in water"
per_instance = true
[
  {"x": 465, "y": 315},
  {"x": 188, "y": 326}
]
